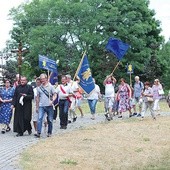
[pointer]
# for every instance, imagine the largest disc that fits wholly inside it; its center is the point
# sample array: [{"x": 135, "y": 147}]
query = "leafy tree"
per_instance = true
[
  {"x": 164, "y": 59},
  {"x": 11, "y": 70},
  {"x": 63, "y": 29}
]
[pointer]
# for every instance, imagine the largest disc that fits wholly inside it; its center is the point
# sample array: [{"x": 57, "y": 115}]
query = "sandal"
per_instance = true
[
  {"x": 3, "y": 131},
  {"x": 8, "y": 129}
]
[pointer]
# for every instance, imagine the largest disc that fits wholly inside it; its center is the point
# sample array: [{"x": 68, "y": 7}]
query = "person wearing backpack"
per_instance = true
[
  {"x": 137, "y": 96},
  {"x": 46, "y": 96}
]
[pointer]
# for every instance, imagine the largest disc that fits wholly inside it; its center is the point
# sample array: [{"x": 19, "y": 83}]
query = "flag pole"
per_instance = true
[
  {"x": 130, "y": 79},
  {"x": 115, "y": 68},
  {"x": 48, "y": 82},
  {"x": 79, "y": 65}
]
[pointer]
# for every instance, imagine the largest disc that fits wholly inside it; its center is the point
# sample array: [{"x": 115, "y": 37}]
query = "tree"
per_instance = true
[
  {"x": 11, "y": 70},
  {"x": 63, "y": 29},
  {"x": 164, "y": 59}
]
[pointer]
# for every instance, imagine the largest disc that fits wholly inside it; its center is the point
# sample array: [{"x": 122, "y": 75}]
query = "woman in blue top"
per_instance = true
[{"x": 6, "y": 95}]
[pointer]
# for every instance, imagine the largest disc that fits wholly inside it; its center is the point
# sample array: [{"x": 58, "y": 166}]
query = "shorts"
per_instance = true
[
  {"x": 109, "y": 102},
  {"x": 137, "y": 100},
  {"x": 78, "y": 102},
  {"x": 35, "y": 114}
]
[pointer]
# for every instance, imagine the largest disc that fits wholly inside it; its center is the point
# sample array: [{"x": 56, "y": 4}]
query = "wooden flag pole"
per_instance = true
[
  {"x": 79, "y": 65},
  {"x": 115, "y": 68},
  {"x": 130, "y": 79},
  {"x": 48, "y": 82}
]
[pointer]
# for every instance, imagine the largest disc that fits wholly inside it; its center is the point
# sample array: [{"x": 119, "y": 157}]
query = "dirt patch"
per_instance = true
[{"x": 119, "y": 144}]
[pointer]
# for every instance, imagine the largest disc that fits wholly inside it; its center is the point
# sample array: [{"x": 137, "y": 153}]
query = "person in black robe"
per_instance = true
[{"x": 22, "y": 102}]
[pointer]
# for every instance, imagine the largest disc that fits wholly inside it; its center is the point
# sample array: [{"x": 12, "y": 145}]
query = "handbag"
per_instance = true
[
  {"x": 161, "y": 92},
  {"x": 149, "y": 99}
]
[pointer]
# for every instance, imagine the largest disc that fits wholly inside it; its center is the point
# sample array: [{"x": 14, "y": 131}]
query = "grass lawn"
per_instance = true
[
  {"x": 128, "y": 144},
  {"x": 100, "y": 107}
]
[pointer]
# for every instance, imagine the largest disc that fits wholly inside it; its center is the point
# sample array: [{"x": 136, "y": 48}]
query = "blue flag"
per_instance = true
[
  {"x": 85, "y": 76},
  {"x": 53, "y": 78},
  {"x": 117, "y": 47},
  {"x": 47, "y": 64}
]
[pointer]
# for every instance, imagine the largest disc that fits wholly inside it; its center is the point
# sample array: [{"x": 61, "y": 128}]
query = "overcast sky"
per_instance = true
[{"x": 162, "y": 8}]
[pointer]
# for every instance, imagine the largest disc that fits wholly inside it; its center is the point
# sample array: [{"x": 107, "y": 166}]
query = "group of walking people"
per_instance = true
[
  {"x": 46, "y": 98},
  {"x": 66, "y": 97},
  {"x": 128, "y": 97}
]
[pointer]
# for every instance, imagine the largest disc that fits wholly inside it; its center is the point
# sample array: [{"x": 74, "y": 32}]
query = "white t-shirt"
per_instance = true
[
  {"x": 109, "y": 90},
  {"x": 95, "y": 93},
  {"x": 66, "y": 89},
  {"x": 74, "y": 86}
]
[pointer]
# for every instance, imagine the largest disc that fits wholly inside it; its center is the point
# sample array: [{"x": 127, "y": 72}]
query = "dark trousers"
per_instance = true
[
  {"x": 63, "y": 112},
  {"x": 55, "y": 112}
]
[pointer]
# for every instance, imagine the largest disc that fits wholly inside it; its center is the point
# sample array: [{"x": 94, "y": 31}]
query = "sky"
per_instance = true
[{"x": 162, "y": 8}]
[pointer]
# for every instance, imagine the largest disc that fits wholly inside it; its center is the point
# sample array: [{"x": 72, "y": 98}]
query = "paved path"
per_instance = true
[{"x": 11, "y": 146}]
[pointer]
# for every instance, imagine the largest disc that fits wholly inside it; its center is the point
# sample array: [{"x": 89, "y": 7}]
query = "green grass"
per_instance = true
[
  {"x": 146, "y": 139},
  {"x": 139, "y": 150},
  {"x": 162, "y": 164},
  {"x": 86, "y": 109},
  {"x": 69, "y": 162},
  {"x": 100, "y": 107}
]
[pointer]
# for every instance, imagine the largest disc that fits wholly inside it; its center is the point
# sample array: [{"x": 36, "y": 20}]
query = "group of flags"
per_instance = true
[{"x": 114, "y": 46}]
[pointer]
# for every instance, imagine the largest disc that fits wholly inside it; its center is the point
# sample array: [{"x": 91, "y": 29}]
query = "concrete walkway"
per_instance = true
[{"x": 11, "y": 146}]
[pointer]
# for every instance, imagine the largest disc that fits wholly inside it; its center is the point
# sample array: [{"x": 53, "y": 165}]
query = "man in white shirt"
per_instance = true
[
  {"x": 64, "y": 92},
  {"x": 137, "y": 95}
]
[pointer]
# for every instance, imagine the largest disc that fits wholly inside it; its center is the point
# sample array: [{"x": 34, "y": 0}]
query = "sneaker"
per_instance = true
[
  {"x": 19, "y": 134},
  {"x": 154, "y": 118},
  {"x": 8, "y": 129},
  {"x": 106, "y": 115},
  {"x": 134, "y": 114},
  {"x": 3, "y": 131},
  {"x": 37, "y": 135},
  {"x": 139, "y": 115},
  {"x": 131, "y": 115},
  {"x": 119, "y": 116},
  {"x": 109, "y": 119},
  {"x": 49, "y": 135},
  {"x": 69, "y": 121},
  {"x": 74, "y": 119}
]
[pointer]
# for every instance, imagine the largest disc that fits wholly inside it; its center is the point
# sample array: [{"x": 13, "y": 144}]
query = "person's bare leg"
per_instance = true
[
  {"x": 130, "y": 113},
  {"x": 81, "y": 111},
  {"x": 35, "y": 125}
]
